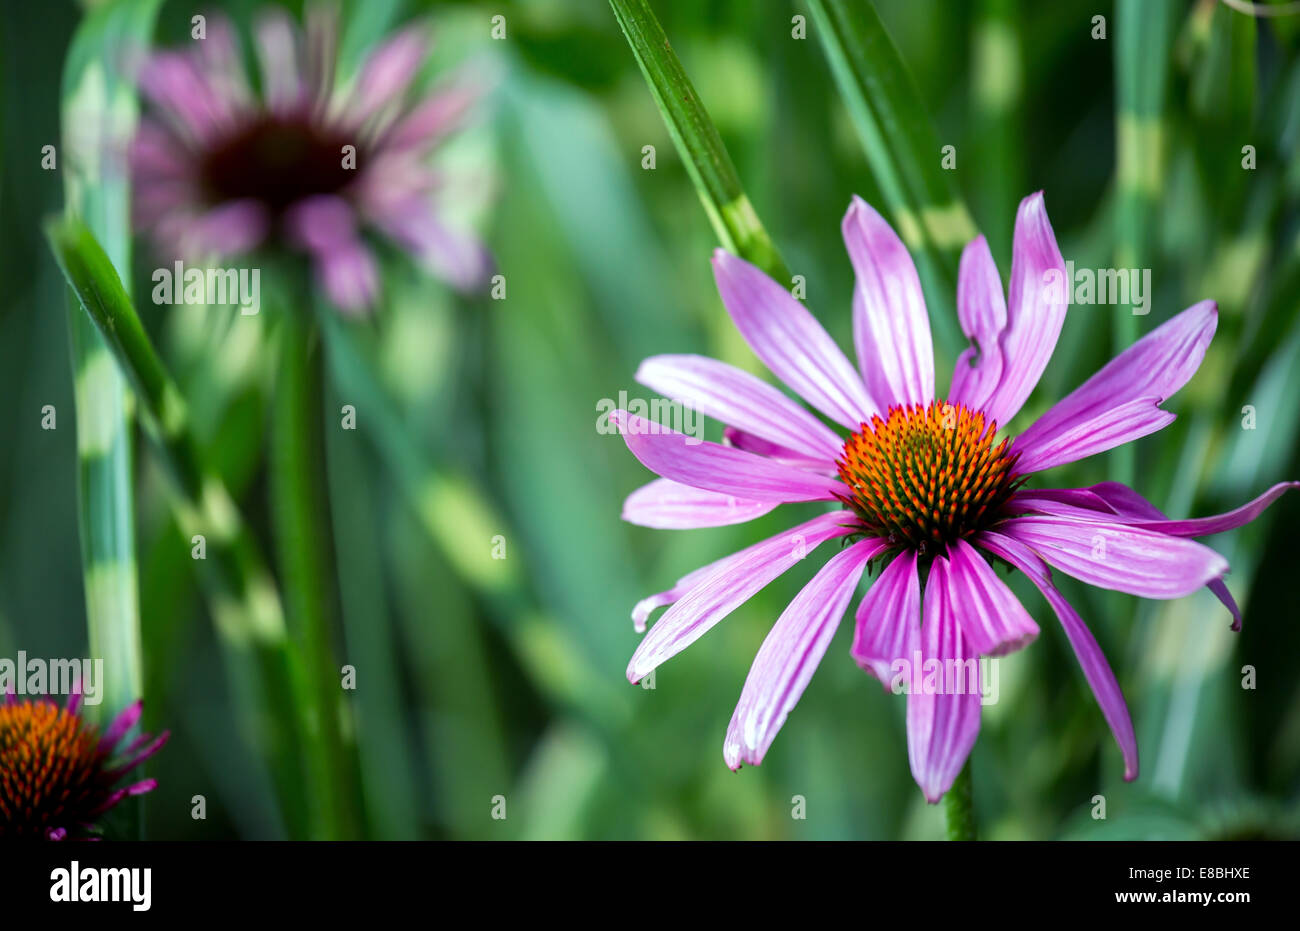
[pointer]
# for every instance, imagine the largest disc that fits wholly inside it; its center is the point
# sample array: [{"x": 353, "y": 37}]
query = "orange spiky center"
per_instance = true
[
  {"x": 926, "y": 476},
  {"x": 50, "y": 766}
]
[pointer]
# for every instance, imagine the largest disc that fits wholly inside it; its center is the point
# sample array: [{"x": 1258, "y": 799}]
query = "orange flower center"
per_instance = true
[
  {"x": 927, "y": 476},
  {"x": 49, "y": 763}
]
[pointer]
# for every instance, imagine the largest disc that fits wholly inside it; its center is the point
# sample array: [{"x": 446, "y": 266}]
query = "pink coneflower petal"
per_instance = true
[
  {"x": 745, "y": 402},
  {"x": 719, "y": 468},
  {"x": 456, "y": 257},
  {"x": 223, "y": 65},
  {"x": 783, "y": 454},
  {"x": 891, "y": 329},
  {"x": 1093, "y": 662},
  {"x": 789, "y": 655},
  {"x": 139, "y": 754},
  {"x": 277, "y": 53},
  {"x": 1156, "y": 366},
  {"x": 1133, "y": 509},
  {"x": 1083, "y": 438},
  {"x": 1114, "y": 501},
  {"x": 889, "y": 619},
  {"x": 387, "y": 72},
  {"x": 733, "y": 582},
  {"x": 184, "y": 97},
  {"x": 430, "y": 121},
  {"x": 232, "y": 228},
  {"x": 982, "y": 311},
  {"x": 942, "y": 722},
  {"x": 669, "y": 505},
  {"x": 1118, "y": 556},
  {"x": 1035, "y": 309},
  {"x": 121, "y": 724},
  {"x": 790, "y": 341},
  {"x": 138, "y": 788},
  {"x": 993, "y": 621}
]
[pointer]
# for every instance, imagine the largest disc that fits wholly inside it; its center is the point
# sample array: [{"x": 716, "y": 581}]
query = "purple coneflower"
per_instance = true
[
  {"x": 926, "y": 487},
  {"x": 219, "y": 170},
  {"x": 57, "y": 775}
]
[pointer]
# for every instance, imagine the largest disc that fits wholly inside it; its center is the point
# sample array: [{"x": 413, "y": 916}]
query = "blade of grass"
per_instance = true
[
  {"x": 902, "y": 150},
  {"x": 1144, "y": 31},
  {"x": 99, "y": 115},
  {"x": 266, "y": 675},
  {"x": 732, "y": 215},
  {"x": 304, "y": 547}
]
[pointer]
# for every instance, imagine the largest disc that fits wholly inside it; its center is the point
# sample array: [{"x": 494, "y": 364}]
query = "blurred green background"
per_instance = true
[{"x": 481, "y": 677}]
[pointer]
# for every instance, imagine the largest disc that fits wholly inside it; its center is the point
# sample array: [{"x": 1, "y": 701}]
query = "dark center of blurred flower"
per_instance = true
[
  {"x": 278, "y": 161},
  {"x": 49, "y": 767},
  {"x": 927, "y": 476}
]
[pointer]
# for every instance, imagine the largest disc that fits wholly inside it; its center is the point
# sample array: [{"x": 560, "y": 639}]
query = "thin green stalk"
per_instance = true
[
  {"x": 959, "y": 807},
  {"x": 266, "y": 675},
  {"x": 902, "y": 149},
  {"x": 1143, "y": 41},
  {"x": 304, "y": 546},
  {"x": 95, "y": 189},
  {"x": 732, "y": 215}
]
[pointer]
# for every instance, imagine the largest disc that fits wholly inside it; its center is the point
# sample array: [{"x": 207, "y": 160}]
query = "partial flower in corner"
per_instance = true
[
  {"x": 925, "y": 486},
  {"x": 220, "y": 170},
  {"x": 58, "y": 776}
]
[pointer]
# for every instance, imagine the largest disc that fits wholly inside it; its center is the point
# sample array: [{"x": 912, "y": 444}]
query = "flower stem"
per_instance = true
[
  {"x": 959, "y": 807},
  {"x": 305, "y": 554}
]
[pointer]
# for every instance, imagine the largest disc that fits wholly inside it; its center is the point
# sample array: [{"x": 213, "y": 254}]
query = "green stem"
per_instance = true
[
  {"x": 304, "y": 547},
  {"x": 732, "y": 215},
  {"x": 959, "y": 807},
  {"x": 266, "y": 675}
]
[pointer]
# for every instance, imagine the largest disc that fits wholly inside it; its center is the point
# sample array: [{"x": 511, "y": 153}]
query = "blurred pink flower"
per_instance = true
[{"x": 219, "y": 170}]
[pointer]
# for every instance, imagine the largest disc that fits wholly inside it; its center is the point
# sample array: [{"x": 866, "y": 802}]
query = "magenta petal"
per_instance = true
[
  {"x": 1156, "y": 366},
  {"x": 1087, "y": 437},
  {"x": 1150, "y": 517},
  {"x": 726, "y": 393},
  {"x": 993, "y": 621},
  {"x": 982, "y": 310},
  {"x": 277, "y": 53},
  {"x": 790, "y": 341},
  {"x": 1118, "y": 556},
  {"x": 732, "y": 582},
  {"x": 889, "y": 619},
  {"x": 791, "y": 653},
  {"x": 891, "y": 328},
  {"x": 1093, "y": 662},
  {"x": 669, "y": 505},
  {"x": 750, "y": 443},
  {"x": 121, "y": 724},
  {"x": 719, "y": 468},
  {"x": 387, "y": 73},
  {"x": 456, "y": 257},
  {"x": 943, "y": 709},
  {"x": 1035, "y": 309}
]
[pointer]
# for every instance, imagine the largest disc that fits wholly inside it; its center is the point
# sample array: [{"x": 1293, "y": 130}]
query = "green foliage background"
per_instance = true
[{"x": 480, "y": 677}]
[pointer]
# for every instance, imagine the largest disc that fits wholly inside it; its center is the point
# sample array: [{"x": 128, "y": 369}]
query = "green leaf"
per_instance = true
[
  {"x": 99, "y": 117},
  {"x": 902, "y": 150},
  {"x": 732, "y": 215}
]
